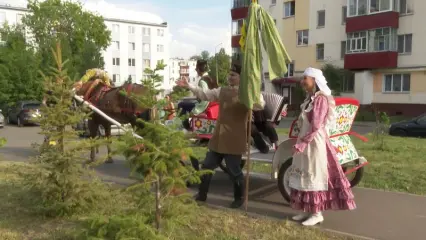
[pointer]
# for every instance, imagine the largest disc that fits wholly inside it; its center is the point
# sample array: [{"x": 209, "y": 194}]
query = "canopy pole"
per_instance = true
[{"x": 248, "y": 163}]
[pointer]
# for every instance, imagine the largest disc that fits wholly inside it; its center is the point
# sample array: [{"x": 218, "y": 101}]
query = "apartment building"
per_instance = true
[
  {"x": 179, "y": 67},
  {"x": 135, "y": 45},
  {"x": 380, "y": 41}
]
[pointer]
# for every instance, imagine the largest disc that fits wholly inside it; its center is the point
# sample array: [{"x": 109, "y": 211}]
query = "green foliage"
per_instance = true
[
  {"x": 335, "y": 77},
  {"x": 205, "y": 55},
  {"x": 83, "y": 34},
  {"x": 64, "y": 184},
  {"x": 222, "y": 61},
  {"x": 3, "y": 141},
  {"x": 19, "y": 64}
]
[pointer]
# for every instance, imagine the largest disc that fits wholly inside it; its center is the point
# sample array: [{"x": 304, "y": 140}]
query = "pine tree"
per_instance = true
[
  {"x": 65, "y": 184},
  {"x": 160, "y": 157}
]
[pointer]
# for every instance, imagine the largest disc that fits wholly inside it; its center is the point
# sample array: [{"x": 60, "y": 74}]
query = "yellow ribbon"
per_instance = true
[{"x": 242, "y": 41}]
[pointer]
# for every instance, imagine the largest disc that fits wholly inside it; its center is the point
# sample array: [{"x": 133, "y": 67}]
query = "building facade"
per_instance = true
[
  {"x": 134, "y": 46},
  {"x": 179, "y": 67},
  {"x": 379, "y": 41}
]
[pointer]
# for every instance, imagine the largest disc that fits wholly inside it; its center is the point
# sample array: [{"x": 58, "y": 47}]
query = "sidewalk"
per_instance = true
[{"x": 380, "y": 214}]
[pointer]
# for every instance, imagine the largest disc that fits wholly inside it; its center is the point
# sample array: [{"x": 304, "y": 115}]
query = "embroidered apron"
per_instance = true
[{"x": 309, "y": 169}]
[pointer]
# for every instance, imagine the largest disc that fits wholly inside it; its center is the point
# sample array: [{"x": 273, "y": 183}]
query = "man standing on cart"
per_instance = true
[{"x": 229, "y": 140}]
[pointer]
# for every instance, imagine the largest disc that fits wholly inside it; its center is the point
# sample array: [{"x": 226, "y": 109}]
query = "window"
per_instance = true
[
  {"x": 290, "y": 70},
  {"x": 116, "y": 61},
  {"x": 160, "y": 48},
  {"x": 273, "y": 2},
  {"x": 357, "y": 7},
  {"x": 344, "y": 14},
  {"x": 342, "y": 49},
  {"x": 146, "y": 31},
  {"x": 115, "y": 28},
  {"x": 131, "y": 30},
  {"x": 289, "y": 9},
  {"x": 236, "y": 27},
  {"x": 236, "y": 53},
  {"x": 132, "y": 46},
  {"x": 132, "y": 62},
  {"x": 146, "y": 48},
  {"x": 146, "y": 63},
  {"x": 321, "y": 18},
  {"x": 115, "y": 45},
  {"x": 320, "y": 51},
  {"x": 348, "y": 82},
  {"x": 115, "y": 77},
  {"x": 381, "y": 39},
  {"x": 380, "y": 5},
  {"x": 160, "y": 32},
  {"x": 19, "y": 18},
  {"x": 405, "y": 7},
  {"x": 396, "y": 83},
  {"x": 357, "y": 42},
  {"x": 405, "y": 43},
  {"x": 302, "y": 37}
]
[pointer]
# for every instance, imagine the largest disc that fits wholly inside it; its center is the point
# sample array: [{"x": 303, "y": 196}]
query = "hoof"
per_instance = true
[{"x": 109, "y": 160}]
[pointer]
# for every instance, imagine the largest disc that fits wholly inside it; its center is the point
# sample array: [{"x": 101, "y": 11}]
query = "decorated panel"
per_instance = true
[
  {"x": 203, "y": 126},
  {"x": 345, "y": 149}
]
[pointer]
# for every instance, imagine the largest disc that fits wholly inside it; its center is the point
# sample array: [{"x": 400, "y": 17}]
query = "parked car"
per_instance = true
[
  {"x": 1, "y": 119},
  {"x": 415, "y": 127},
  {"x": 83, "y": 127},
  {"x": 24, "y": 112}
]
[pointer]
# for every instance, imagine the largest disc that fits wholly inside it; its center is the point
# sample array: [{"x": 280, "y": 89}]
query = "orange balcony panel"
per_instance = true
[
  {"x": 371, "y": 60},
  {"x": 372, "y": 21}
]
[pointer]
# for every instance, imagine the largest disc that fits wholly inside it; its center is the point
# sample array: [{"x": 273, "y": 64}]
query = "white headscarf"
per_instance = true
[{"x": 319, "y": 79}]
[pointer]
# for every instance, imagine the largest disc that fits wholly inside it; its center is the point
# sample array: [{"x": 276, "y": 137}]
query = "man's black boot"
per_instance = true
[
  {"x": 238, "y": 195},
  {"x": 203, "y": 188}
]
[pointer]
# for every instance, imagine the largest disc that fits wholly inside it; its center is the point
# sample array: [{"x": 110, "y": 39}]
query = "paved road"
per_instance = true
[{"x": 380, "y": 215}]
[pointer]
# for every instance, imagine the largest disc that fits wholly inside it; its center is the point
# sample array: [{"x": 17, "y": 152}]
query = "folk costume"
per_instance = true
[
  {"x": 317, "y": 180},
  {"x": 229, "y": 140}
]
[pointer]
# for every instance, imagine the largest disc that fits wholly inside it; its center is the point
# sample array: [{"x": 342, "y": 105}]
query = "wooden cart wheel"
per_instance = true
[
  {"x": 355, "y": 177},
  {"x": 283, "y": 176}
]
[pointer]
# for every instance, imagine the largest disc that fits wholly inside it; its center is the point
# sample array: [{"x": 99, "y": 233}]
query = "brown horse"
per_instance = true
[{"x": 113, "y": 103}]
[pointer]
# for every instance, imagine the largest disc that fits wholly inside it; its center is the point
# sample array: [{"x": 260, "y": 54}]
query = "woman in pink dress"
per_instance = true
[{"x": 317, "y": 180}]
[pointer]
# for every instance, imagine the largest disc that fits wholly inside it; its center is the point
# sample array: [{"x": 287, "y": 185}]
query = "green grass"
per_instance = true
[{"x": 19, "y": 219}]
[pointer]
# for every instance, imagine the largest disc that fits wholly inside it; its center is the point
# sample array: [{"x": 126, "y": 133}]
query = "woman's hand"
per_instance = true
[
  {"x": 183, "y": 82},
  {"x": 295, "y": 150}
]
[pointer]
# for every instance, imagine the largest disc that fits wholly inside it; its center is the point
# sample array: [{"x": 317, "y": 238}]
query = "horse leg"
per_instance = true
[
  {"x": 93, "y": 129},
  {"x": 107, "y": 128}
]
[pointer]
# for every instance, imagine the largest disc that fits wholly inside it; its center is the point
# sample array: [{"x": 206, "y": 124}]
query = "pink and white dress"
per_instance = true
[{"x": 317, "y": 180}]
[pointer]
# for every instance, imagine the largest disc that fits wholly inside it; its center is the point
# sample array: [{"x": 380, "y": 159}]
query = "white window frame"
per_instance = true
[
  {"x": 131, "y": 62},
  {"x": 19, "y": 17},
  {"x": 408, "y": 7},
  {"x": 290, "y": 70},
  {"x": 160, "y": 48},
  {"x": 132, "y": 46},
  {"x": 354, "y": 42},
  {"x": 289, "y": 9},
  {"x": 116, "y": 61},
  {"x": 132, "y": 29},
  {"x": 318, "y": 18},
  {"x": 115, "y": 45},
  {"x": 386, "y": 38},
  {"x": 147, "y": 63},
  {"x": 236, "y": 27},
  {"x": 356, "y": 13},
  {"x": 317, "y": 48},
  {"x": 146, "y": 31},
  {"x": 116, "y": 28},
  {"x": 303, "y": 33},
  {"x": 380, "y": 3},
  {"x": 402, "y": 75},
  {"x": 160, "y": 32},
  {"x": 144, "y": 48},
  {"x": 115, "y": 77},
  {"x": 404, "y": 36}
]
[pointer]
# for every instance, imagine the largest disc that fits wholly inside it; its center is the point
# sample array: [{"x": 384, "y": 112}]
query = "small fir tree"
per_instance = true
[{"x": 65, "y": 184}]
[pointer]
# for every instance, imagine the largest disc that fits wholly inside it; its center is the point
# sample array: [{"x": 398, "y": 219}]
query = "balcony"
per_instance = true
[
  {"x": 239, "y": 9},
  {"x": 372, "y": 49},
  {"x": 235, "y": 41},
  {"x": 372, "y": 21}
]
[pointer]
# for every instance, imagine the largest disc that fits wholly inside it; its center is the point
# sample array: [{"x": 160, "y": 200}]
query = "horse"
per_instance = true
[{"x": 113, "y": 103}]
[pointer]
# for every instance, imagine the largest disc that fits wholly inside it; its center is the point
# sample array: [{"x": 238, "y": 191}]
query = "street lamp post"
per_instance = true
[{"x": 215, "y": 56}]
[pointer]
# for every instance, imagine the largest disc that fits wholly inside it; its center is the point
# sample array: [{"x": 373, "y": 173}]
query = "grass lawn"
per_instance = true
[
  {"x": 19, "y": 219},
  {"x": 399, "y": 166}
]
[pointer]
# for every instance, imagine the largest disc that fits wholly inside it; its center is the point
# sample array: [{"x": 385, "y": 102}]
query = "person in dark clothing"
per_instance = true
[{"x": 261, "y": 125}]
